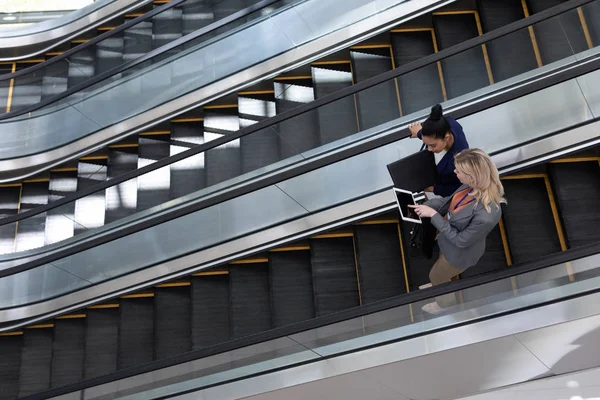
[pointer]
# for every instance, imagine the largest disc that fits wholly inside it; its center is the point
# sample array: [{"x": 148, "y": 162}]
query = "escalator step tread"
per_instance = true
[
  {"x": 378, "y": 104},
  {"x": 261, "y": 148},
  {"x": 187, "y": 176},
  {"x": 250, "y": 299},
  {"x": 121, "y": 200},
  {"x": 173, "y": 331},
  {"x": 109, "y": 53},
  {"x": 211, "y": 314},
  {"x": 68, "y": 351},
  {"x": 493, "y": 259},
  {"x": 591, "y": 12},
  {"x": 136, "y": 332},
  {"x": 557, "y": 37},
  {"x": 334, "y": 275},
  {"x": 422, "y": 88},
  {"x": 10, "y": 366},
  {"x": 101, "y": 342},
  {"x": 291, "y": 287},
  {"x": 528, "y": 218},
  {"x": 379, "y": 262},
  {"x": 153, "y": 189},
  {"x": 338, "y": 119},
  {"x": 577, "y": 188},
  {"x": 509, "y": 55},
  {"x": 466, "y": 71},
  {"x": 36, "y": 361}
]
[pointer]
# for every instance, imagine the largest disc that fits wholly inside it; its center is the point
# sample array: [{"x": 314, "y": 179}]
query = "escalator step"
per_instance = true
[
  {"x": 577, "y": 188},
  {"x": 558, "y": 37},
  {"x": 138, "y": 41},
  {"x": 153, "y": 188},
  {"x": 10, "y": 206},
  {"x": 591, "y": 12},
  {"x": 27, "y": 89},
  {"x": 187, "y": 176},
  {"x": 173, "y": 329},
  {"x": 81, "y": 68},
  {"x": 250, "y": 299},
  {"x": 493, "y": 259},
  {"x": 89, "y": 211},
  {"x": 334, "y": 275},
  {"x": 509, "y": 55},
  {"x": 223, "y": 162},
  {"x": 31, "y": 231},
  {"x": 59, "y": 223},
  {"x": 301, "y": 133},
  {"x": 109, "y": 53},
  {"x": 378, "y": 104},
  {"x": 101, "y": 342},
  {"x": 291, "y": 287},
  {"x": 210, "y": 306},
  {"x": 338, "y": 119},
  {"x": 68, "y": 351},
  {"x": 121, "y": 200},
  {"x": 261, "y": 148},
  {"x": 136, "y": 332},
  {"x": 422, "y": 88},
  {"x": 530, "y": 226},
  {"x": 379, "y": 262},
  {"x": 466, "y": 71},
  {"x": 55, "y": 79},
  {"x": 10, "y": 366},
  {"x": 36, "y": 361}
]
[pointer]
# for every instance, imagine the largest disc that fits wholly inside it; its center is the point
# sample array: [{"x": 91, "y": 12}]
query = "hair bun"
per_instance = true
[{"x": 436, "y": 113}]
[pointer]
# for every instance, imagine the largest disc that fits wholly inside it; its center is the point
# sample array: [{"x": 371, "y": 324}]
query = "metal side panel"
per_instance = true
[{"x": 41, "y": 37}]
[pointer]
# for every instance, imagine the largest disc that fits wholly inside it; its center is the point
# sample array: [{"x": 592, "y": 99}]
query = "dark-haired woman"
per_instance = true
[{"x": 440, "y": 134}]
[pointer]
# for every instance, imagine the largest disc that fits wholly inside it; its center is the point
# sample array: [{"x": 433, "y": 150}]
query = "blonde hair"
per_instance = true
[{"x": 483, "y": 177}]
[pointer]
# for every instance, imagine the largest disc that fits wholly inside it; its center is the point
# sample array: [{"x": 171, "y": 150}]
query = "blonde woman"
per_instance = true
[{"x": 463, "y": 220}]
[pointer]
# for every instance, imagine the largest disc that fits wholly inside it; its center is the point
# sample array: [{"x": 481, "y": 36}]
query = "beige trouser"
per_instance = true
[{"x": 443, "y": 272}]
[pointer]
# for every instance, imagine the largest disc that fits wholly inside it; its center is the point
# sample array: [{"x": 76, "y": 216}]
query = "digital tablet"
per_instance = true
[{"x": 404, "y": 198}]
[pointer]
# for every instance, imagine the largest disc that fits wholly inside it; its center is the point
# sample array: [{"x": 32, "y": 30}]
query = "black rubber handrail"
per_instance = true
[
  {"x": 341, "y": 316},
  {"x": 425, "y": 61},
  {"x": 91, "y": 42},
  {"x": 148, "y": 56}
]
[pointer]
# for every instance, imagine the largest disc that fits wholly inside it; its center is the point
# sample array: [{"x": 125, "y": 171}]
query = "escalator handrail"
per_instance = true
[
  {"x": 91, "y": 42},
  {"x": 279, "y": 176},
  {"x": 286, "y": 115},
  {"x": 337, "y": 317},
  {"x": 130, "y": 64}
]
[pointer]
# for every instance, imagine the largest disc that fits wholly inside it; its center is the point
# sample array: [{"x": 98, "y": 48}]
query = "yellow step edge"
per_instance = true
[
  {"x": 90, "y": 158},
  {"x": 220, "y": 106},
  {"x": 54, "y": 53},
  {"x": 333, "y": 235},
  {"x": 174, "y": 284},
  {"x": 107, "y": 28},
  {"x": 291, "y": 248},
  {"x": 133, "y": 15},
  {"x": 155, "y": 133},
  {"x": 575, "y": 159},
  {"x": 34, "y": 61},
  {"x": 293, "y": 78},
  {"x": 331, "y": 62},
  {"x": 103, "y": 306},
  {"x": 378, "y": 222},
  {"x": 405, "y": 30},
  {"x": 211, "y": 273},
  {"x": 250, "y": 92},
  {"x": 16, "y": 333},
  {"x": 80, "y": 41},
  {"x": 5, "y": 185},
  {"x": 72, "y": 316},
  {"x": 257, "y": 260},
  {"x": 40, "y": 326},
  {"x": 458, "y": 12},
  {"x": 198, "y": 119},
  {"x": 371, "y": 46},
  {"x": 137, "y": 296},
  {"x": 523, "y": 176},
  {"x": 122, "y": 146},
  {"x": 36, "y": 180},
  {"x": 65, "y": 169}
]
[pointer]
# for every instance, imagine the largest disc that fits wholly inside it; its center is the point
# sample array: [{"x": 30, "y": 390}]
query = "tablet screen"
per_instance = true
[{"x": 404, "y": 200}]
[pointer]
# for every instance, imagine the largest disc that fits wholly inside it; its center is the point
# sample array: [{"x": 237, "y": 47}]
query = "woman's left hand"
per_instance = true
[{"x": 424, "y": 211}]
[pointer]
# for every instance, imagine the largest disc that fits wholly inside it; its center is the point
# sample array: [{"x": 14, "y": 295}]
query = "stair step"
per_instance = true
[
  {"x": 172, "y": 321},
  {"x": 101, "y": 342},
  {"x": 136, "y": 332},
  {"x": 210, "y": 310},
  {"x": 36, "y": 361},
  {"x": 68, "y": 351},
  {"x": 249, "y": 298}
]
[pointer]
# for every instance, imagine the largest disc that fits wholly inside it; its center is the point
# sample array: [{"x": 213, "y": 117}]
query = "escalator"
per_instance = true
[
  {"x": 498, "y": 61},
  {"x": 551, "y": 207}
]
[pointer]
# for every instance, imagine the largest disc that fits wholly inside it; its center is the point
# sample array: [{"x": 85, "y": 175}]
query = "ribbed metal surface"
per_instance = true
[
  {"x": 10, "y": 205},
  {"x": 591, "y": 12},
  {"x": 250, "y": 299},
  {"x": 494, "y": 257},
  {"x": 291, "y": 287},
  {"x": 153, "y": 189},
  {"x": 121, "y": 200},
  {"x": 67, "y": 351},
  {"x": 109, "y": 53},
  {"x": 509, "y": 55},
  {"x": 379, "y": 262},
  {"x": 223, "y": 162},
  {"x": 187, "y": 176},
  {"x": 55, "y": 79},
  {"x": 334, "y": 275},
  {"x": 136, "y": 332},
  {"x": 577, "y": 188},
  {"x": 10, "y": 366},
  {"x": 138, "y": 41},
  {"x": 36, "y": 361},
  {"x": 378, "y": 104},
  {"x": 27, "y": 90},
  {"x": 31, "y": 231},
  {"x": 422, "y": 88},
  {"x": 560, "y": 37},
  {"x": 81, "y": 67},
  {"x": 101, "y": 342},
  {"x": 466, "y": 71},
  {"x": 338, "y": 119},
  {"x": 260, "y": 148},
  {"x": 528, "y": 219},
  {"x": 210, "y": 310},
  {"x": 172, "y": 328}
]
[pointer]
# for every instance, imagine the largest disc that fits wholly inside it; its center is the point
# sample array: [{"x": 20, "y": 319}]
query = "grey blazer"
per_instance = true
[{"x": 462, "y": 238}]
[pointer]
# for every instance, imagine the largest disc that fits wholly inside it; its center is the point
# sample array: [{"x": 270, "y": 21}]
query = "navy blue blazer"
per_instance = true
[{"x": 447, "y": 182}]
